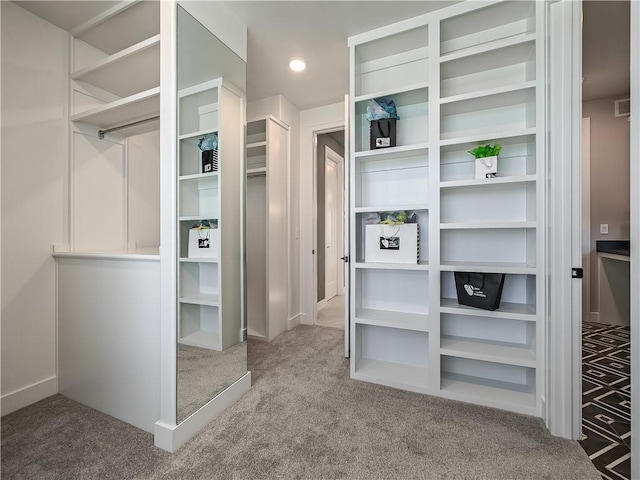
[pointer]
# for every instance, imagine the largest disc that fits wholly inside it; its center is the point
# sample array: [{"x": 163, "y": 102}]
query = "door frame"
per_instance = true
[
  {"x": 587, "y": 314},
  {"x": 565, "y": 114},
  {"x": 339, "y": 161},
  {"x": 314, "y": 216}
]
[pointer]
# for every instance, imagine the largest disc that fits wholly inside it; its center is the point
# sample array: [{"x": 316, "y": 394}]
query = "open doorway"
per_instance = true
[
  {"x": 606, "y": 339},
  {"x": 329, "y": 221}
]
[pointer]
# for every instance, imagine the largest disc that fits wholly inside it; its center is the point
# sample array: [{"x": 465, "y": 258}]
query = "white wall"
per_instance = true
[
  {"x": 34, "y": 175},
  {"x": 312, "y": 120},
  {"x": 281, "y": 108},
  {"x": 143, "y": 192},
  {"x": 610, "y": 201}
]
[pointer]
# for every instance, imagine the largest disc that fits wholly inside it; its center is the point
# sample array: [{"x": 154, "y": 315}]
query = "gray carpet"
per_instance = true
[
  {"x": 203, "y": 373},
  {"x": 302, "y": 419}
]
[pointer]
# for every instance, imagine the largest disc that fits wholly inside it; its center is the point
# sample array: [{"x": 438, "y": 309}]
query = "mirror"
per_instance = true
[{"x": 212, "y": 349}]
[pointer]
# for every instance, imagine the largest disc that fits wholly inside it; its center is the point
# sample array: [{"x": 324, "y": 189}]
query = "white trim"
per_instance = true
[
  {"x": 319, "y": 120},
  {"x": 170, "y": 438},
  {"x": 594, "y": 317},
  {"x": 586, "y": 219},
  {"x": 563, "y": 412},
  {"x": 330, "y": 153},
  {"x": 28, "y": 395},
  {"x": 168, "y": 211},
  {"x": 293, "y": 322},
  {"x": 635, "y": 234}
]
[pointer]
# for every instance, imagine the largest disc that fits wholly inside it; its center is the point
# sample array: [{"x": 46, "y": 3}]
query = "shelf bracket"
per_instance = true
[{"x": 101, "y": 133}]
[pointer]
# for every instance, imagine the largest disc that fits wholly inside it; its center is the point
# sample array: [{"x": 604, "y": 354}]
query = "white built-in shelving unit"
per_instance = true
[
  {"x": 203, "y": 109},
  {"x": 114, "y": 99},
  {"x": 266, "y": 227},
  {"x": 116, "y": 68},
  {"x": 468, "y": 74}
]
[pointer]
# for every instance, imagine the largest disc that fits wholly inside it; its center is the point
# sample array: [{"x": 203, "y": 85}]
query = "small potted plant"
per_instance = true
[{"x": 486, "y": 160}]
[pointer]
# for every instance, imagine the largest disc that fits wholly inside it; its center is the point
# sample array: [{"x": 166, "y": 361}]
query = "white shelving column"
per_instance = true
[
  {"x": 460, "y": 76},
  {"x": 390, "y": 302},
  {"x": 114, "y": 87},
  {"x": 214, "y": 196},
  {"x": 490, "y": 93},
  {"x": 267, "y": 256}
]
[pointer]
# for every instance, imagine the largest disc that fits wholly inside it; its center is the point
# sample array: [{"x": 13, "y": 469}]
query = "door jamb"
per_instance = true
[{"x": 314, "y": 219}]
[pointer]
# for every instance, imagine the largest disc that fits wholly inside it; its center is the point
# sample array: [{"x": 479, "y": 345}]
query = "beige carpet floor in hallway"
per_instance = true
[{"x": 332, "y": 315}]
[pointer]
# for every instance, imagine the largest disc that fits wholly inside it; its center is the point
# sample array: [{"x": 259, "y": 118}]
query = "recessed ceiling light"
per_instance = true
[{"x": 297, "y": 64}]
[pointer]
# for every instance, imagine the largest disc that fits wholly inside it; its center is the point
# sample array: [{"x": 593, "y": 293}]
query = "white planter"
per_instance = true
[{"x": 487, "y": 167}]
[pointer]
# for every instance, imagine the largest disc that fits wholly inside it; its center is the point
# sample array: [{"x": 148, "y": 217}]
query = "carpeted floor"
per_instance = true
[
  {"x": 304, "y": 418},
  {"x": 332, "y": 315},
  {"x": 203, "y": 373}
]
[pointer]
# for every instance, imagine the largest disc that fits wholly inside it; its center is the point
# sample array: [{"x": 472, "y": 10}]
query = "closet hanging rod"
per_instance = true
[{"x": 101, "y": 133}]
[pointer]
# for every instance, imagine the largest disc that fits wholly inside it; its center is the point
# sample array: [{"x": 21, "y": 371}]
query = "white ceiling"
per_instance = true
[
  {"x": 318, "y": 31},
  {"x": 67, "y": 14}
]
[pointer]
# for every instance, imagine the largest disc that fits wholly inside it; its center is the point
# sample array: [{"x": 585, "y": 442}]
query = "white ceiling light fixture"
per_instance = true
[{"x": 297, "y": 64}]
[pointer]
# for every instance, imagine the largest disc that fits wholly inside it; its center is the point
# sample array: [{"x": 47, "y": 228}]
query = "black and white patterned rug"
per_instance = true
[{"x": 606, "y": 398}]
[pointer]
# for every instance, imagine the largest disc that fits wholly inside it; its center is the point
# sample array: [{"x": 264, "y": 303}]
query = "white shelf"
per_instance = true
[
  {"x": 485, "y": 225},
  {"x": 256, "y": 144},
  {"x": 121, "y": 26},
  {"x": 489, "y": 267},
  {"x": 200, "y": 133},
  {"x": 391, "y": 374},
  {"x": 391, "y": 152},
  {"x": 114, "y": 73},
  {"x": 392, "y": 208},
  {"x": 491, "y": 351},
  {"x": 200, "y": 87},
  {"x": 209, "y": 299},
  {"x": 393, "y": 266},
  {"x": 254, "y": 172},
  {"x": 391, "y": 91},
  {"x": 489, "y": 137},
  {"x": 195, "y": 218},
  {"x": 521, "y": 87},
  {"x": 385, "y": 318},
  {"x": 199, "y": 176},
  {"x": 140, "y": 106},
  {"x": 208, "y": 340},
  {"x": 513, "y": 311},
  {"x": 489, "y": 392},
  {"x": 487, "y": 47},
  {"x": 481, "y": 182},
  {"x": 198, "y": 260}
]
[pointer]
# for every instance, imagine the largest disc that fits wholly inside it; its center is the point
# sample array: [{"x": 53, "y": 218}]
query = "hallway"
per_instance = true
[{"x": 332, "y": 315}]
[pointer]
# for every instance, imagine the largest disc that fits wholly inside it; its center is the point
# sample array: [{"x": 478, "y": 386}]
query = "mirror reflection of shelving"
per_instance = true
[
  {"x": 199, "y": 200},
  {"x": 266, "y": 227}
]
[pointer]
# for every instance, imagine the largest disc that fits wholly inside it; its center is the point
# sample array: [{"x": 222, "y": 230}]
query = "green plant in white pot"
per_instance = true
[{"x": 486, "y": 160}]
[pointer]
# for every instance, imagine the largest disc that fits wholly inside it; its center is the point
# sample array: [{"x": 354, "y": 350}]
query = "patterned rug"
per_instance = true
[{"x": 606, "y": 398}]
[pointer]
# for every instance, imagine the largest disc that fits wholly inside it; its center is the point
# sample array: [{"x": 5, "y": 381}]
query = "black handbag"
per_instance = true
[
  {"x": 480, "y": 290},
  {"x": 382, "y": 133}
]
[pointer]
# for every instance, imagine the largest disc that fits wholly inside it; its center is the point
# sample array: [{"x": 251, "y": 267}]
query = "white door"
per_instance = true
[{"x": 331, "y": 203}]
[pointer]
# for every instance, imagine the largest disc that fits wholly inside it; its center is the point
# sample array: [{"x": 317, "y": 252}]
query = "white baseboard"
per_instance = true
[
  {"x": 322, "y": 304},
  {"x": 594, "y": 317},
  {"x": 293, "y": 322},
  {"x": 172, "y": 437},
  {"x": 28, "y": 395}
]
